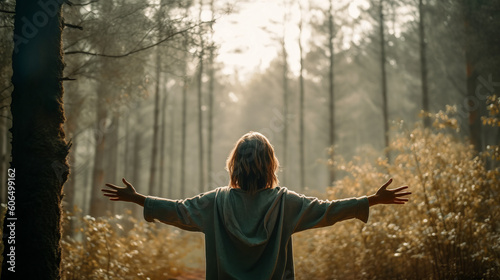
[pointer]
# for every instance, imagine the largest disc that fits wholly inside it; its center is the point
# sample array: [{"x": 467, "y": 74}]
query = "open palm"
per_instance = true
[
  {"x": 391, "y": 196},
  {"x": 117, "y": 193}
]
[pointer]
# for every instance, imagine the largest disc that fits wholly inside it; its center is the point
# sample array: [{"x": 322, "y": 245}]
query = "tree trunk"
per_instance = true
[
  {"x": 331, "y": 84},
  {"x": 112, "y": 151},
  {"x": 161, "y": 183},
  {"x": 211, "y": 77},
  {"x": 472, "y": 105},
  {"x": 201, "y": 163},
  {"x": 184, "y": 127},
  {"x": 136, "y": 158},
  {"x": 136, "y": 166},
  {"x": 39, "y": 167},
  {"x": 154, "y": 151},
  {"x": 384, "y": 78},
  {"x": 285, "y": 94},
  {"x": 171, "y": 153},
  {"x": 98, "y": 204},
  {"x": 69, "y": 191},
  {"x": 126, "y": 149},
  {"x": 301, "y": 108},
  {"x": 112, "y": 155},
  {"x": 423, "y": 63}
]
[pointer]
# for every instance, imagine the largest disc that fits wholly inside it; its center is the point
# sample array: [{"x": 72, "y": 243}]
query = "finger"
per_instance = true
[
  {"x": 126, "y": 182},
  {"x": 401, "y": 199},
  {"x": 113, "y": 186},
  {"x": 384, "y": 186},
  {"x": 402, "y": 194},
  {"x": 109, "y": 191},
  {"x": 398, "y": 189},
  {"x": 110, "y": 195}
]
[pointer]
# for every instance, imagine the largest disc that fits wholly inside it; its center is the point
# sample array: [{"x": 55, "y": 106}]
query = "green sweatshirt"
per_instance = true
[{"x": 248, "y": 236}]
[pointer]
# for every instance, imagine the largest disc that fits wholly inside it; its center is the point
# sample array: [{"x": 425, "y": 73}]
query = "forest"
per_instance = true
[{"x": 350, "y": 94}]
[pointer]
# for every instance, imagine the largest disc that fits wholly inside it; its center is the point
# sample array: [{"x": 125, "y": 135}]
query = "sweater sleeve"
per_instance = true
[
  {"x": 188, "y": 214},
  {"x": 311, "y": 212}
]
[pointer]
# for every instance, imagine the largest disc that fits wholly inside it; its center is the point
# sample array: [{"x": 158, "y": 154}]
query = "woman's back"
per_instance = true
[{"x": 248, "y": 235}]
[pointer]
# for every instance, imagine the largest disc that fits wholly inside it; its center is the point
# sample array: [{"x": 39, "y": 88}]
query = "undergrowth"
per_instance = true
[{"x": 450, "y": 229}]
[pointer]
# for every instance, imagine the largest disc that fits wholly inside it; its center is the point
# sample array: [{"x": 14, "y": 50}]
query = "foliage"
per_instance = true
[
  {"x": 123, "y": 248},
  {"x": 448, "y": 230},
  {"x": 493, "y": 120}
]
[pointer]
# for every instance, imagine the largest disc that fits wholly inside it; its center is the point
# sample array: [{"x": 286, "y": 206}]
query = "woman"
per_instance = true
[{"x": 248, "y": 225}]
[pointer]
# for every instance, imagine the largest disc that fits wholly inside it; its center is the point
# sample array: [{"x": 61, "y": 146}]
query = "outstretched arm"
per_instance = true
[
  {"x": 385, "y": 196},
  {"x": 126, "y": 193}
]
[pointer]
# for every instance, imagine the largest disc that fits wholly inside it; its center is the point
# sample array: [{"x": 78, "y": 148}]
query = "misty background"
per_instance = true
[{"x": 159, "y": 91}]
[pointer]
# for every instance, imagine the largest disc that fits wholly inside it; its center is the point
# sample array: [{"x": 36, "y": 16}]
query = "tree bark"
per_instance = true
[
  {"x": 39, "y": 164},
  {"x": 3, "y": 155}
]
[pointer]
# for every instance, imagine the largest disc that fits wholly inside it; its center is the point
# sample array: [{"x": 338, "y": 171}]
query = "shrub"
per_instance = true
[
  {"x": 448, "y": 230},
  {"x": 123, "y": 248}
]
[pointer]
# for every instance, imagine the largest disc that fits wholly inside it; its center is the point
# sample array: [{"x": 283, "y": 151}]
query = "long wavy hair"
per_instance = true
[{"x": 252, "y": 164}]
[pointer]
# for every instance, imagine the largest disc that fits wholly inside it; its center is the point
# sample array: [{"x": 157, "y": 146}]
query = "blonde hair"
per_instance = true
[{"x": 252, "y": 164}]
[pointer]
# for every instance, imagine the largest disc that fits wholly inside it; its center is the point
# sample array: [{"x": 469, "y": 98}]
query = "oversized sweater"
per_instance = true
[{"x": 248, "y": 236}]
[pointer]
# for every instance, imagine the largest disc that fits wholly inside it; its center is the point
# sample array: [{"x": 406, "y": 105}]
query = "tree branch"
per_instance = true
[
  {"x": 136, "y": 50},
  {"x": 84, "y": 4},
  {"x": 7, "y": 12},
  {"x": 73, "y": 26},
  {"x": 67, "y": 79}
]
